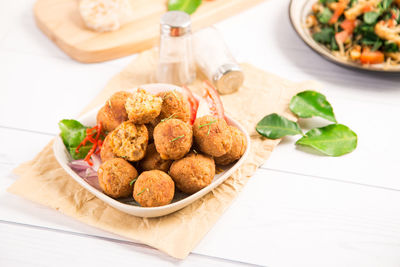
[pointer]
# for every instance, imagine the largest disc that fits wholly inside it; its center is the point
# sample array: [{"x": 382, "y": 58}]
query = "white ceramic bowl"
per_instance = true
[
  {"x": 128, "y": 205},
  {"x": 298, "y": 12}
]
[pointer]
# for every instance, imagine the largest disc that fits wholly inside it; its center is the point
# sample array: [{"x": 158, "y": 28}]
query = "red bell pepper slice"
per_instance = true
[
  {"x": 213, "y": 100},
  {"x": 193, "y": 102}
]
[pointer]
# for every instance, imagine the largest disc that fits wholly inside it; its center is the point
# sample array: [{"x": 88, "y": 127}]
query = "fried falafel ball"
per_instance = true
[
  {"x": 143, "y": 107},
  {"x": 212, "y": 135},
  {"x": 193, "y": 172},
  {"x": 106, "y": 151},
  {"x": 239, "y": 144},
  {"x": 113, "y": 113},
  {"x": 115, "y": 176},
  {"x": 129, "y": 141},
  {"x": 153, "y": 189},
  {"x": 174, "y": 105},
  {"x": 153, "y": 160},
  {"x": 173, "y": 138}
]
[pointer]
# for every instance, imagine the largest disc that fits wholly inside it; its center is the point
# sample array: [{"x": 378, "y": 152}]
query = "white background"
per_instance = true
[{"x": 299, "y": 209}]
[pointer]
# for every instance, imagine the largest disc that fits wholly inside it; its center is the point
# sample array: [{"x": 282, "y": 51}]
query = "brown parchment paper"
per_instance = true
[{"x": 42, "y": 179}]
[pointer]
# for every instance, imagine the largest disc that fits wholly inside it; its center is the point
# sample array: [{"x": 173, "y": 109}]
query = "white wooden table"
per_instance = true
[{"x": 298, "y": 210}]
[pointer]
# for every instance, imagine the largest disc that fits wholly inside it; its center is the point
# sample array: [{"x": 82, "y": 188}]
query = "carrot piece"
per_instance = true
[
  {"x": 368, "y": 8},
  {"x": 316, "y": 7},
  {"x": 394, "y": 15},
  {"x": 338, "y": 12},
  {"x": 391, "y": 23},
  {"x": 371, "y": 57},
  {"x": 348, "y": 25},
  {"x": 341, "y": 37}
]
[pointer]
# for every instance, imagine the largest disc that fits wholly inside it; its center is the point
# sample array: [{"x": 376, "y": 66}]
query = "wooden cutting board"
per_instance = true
[{"x": 61, "y": 22}]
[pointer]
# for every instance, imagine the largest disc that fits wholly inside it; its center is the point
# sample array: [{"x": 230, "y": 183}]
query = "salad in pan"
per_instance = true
[{"x": 364, "y": 31}]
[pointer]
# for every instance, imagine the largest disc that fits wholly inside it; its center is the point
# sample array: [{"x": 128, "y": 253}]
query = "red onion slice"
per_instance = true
[
  {"x": 78, "y": 165},
  {"x": 87, "y": 172},
  {"x": 96, "y": 162},
  {"x": 93, "y": 181}
]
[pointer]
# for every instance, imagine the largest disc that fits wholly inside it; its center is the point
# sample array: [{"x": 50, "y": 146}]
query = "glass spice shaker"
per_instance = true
[
  {"x": 216, "y": 62},
  {"x": 176, "y": 62}
]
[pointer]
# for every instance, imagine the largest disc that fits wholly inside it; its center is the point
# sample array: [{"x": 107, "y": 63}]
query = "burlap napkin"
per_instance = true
[{"x": 42, "y": 179}]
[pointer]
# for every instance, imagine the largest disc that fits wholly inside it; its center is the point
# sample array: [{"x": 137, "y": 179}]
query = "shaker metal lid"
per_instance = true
[
  {"x": 175, "y": 23},
  {"x": 228, "y": 79}
]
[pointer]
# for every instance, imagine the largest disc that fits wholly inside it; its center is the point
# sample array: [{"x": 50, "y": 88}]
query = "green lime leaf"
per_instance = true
[
  {"x": 275, "y": 126},
  {"x": 188, "y": 6},
  {"x": 310, "y": 103},
  {"x": 332, "y": 140}
]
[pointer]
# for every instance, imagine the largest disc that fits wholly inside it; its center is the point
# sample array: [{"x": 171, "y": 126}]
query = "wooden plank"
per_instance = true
[
  {"x": 25, "y": 246},
  {"x": 19, "y": 146},
  {"x": 289, "y": 220},
  {"x": 37, "y": 92},
  {"x": 359, "y": 223},
  {"x": 61, "y": 22},
  {"x": 316, "y": 222}
]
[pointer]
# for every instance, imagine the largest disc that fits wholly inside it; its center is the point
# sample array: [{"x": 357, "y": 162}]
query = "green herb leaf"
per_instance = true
[
  {"x": 352, "y": 2},
  {"x": 310, "y": 103},
  {"x": 170, "y": 117},
  {"x": 324, "y": 16},
  {"x": 188, "y": 6},
  {"x": 327, "y": 1},
  {"x": 376, "y": 45},
  {"x": 141, "y": 192},
  {"x": 365, "y": 41},
  {"x": 325, "y": 35},
  {"x": 334, "y": 45},
  {"x": 275, "y": 126},
  {"x": 131, "y": 183},
  {"x": 371, "y": 17},
  {"x": 72, "y": 132},
  {"x": 207, "y": 124},
  {"x": 396, "y": 13},
  {"x": 332, "y": 140},
  {"x": 83, "y": 151},
  {"x": 176, "y": 138},
  {"x": 390, "y": 47},
  {"x": 385, "y": 4},
  {"x": 366, "y": 31}
]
